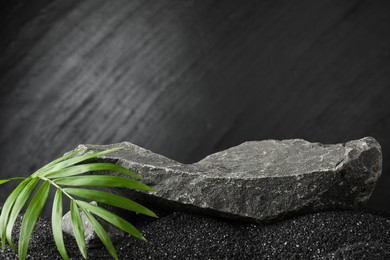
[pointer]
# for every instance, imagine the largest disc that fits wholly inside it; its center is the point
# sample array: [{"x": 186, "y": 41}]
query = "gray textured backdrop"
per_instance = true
[{"x": 188, "y": 78}]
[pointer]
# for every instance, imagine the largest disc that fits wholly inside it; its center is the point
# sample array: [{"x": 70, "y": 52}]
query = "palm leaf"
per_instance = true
[
  {"x": 30, "y": 218},
  {"x": 103, "y": 180},
  {"x": 78, "y": 159},
  {"x": 56, "y": 221},
  {"x": 79, "y": 169},
  {"x": 111, "y": 218},
  {"x": 65, "y": 171},
  {"x": 78, "y": 228},
  {"x": 60, "y": 159},
  {"x": 12, "y": 179},
  {"x": 7, "y": 207},
  {"x": 19, "y": 203},
  {"x": 110, "y": 199},
  {"x": 102, "y": 234}
]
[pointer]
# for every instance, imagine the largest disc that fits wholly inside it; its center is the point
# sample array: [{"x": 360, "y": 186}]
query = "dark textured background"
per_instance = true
[{"x": 189, "y": 78}]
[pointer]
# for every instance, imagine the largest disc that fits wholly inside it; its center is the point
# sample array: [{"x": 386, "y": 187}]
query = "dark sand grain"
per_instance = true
[{"x": 327, "y": 235}]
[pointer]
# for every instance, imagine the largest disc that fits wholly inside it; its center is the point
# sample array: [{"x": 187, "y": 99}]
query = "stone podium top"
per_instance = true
[{"x": 258, "y": 180}]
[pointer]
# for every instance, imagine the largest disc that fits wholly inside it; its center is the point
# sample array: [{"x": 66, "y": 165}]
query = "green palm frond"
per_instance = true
[{"x": 65, "y": 175}]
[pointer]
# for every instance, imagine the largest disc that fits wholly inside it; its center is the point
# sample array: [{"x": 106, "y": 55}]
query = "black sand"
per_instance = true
[{"x": 327, "y": 235}]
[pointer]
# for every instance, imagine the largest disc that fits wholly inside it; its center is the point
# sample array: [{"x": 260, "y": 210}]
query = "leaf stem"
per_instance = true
[{"x": 57, "y": 186}]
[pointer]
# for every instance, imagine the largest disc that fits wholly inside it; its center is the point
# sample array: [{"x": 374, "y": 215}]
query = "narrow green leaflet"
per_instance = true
[
  {"x": 111, "y": 218},
  {"x": 103, "y": 180},
  {"x": 110, "y": 199},
  {"x": 78, "y": 159},
  {"x": 30, "y": 218},
  {"x": 7, "y": 207},
  {"x": 69, "y": 170},
  {"x": 56, "y": 220},
  {"x": 79, "y": 169},
  {"x": 11, "y": 179},
  {"x": 102, "y": 234},
  {"x": 62, "y": 158},
  {"x": 19, "y": 203},
  {"x": 78, "y": 228}
]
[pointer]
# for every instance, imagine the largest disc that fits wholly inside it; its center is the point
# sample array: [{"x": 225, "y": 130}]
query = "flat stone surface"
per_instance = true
[{"x": 258, "y": 180}]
